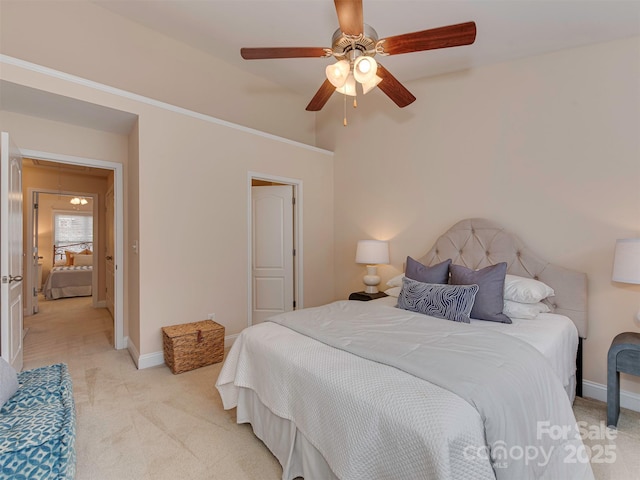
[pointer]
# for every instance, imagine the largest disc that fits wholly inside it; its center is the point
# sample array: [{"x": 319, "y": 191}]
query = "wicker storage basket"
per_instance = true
[{"x": 192, "y": 345}]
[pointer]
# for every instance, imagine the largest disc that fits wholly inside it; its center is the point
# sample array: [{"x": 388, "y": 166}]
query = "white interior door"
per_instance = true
[
  {"x": 109, "y": 252},
  {"x": 272, "y": 251},
  {"x": 11, "y": 262}
]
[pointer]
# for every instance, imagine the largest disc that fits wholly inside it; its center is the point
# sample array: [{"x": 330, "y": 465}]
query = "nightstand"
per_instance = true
[
  {"x": 624, "y": 356},
  {"x": 365, "y": 297}
]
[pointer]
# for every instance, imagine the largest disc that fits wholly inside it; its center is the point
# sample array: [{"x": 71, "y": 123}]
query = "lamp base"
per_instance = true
[{"x": 371, "y": 279}]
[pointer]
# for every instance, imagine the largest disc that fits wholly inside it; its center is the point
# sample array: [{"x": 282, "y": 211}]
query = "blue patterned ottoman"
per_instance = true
[{"x": 38, "y": 427}]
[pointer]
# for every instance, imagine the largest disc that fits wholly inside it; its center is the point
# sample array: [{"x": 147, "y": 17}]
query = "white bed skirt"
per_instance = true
[
  {"x": 298, "y": 457},
  {"x": 67, "y": 292}
]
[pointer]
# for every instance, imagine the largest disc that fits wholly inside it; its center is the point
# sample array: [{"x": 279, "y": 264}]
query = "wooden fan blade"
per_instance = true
[
  {"x": 281, "y": 52},
  {"x": 442, "y": 37},
  {"x": 350, "y": 16},
  {"x": 393, "y": 88},
  {"x": 321, "y": 97}
]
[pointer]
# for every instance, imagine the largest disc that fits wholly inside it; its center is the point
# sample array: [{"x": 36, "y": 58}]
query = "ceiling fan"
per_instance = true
[{"x": 355, "y": 44}]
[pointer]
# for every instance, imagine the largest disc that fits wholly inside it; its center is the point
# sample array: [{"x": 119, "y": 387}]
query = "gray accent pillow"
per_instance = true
[
  {"x": 450, "y": 302},
  {"x": 438, "y": 273},
  {"x": 489, "y": 299},
  {"x": 8, "y": 381}
]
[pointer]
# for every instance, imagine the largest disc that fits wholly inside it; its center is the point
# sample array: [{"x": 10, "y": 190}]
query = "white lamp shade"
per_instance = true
[
  {"x": 626, "y": 262},
  {"x": 371, "y": 84},
  {"x": 349, "y": 87},
  {"x": 372, "y": 252},
  {"x": 338, "y": 72},
  {"x": 365, "y": 68}
]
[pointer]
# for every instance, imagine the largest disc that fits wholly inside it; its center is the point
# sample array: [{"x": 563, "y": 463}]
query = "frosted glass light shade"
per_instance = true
[
  {"x": 78, "y": 201},
  {"x": 349, "y": 88},
  {"x": 370, "y": 85},
  {"x": 626, "y": 261},
  {"x": 365, "y": 68},
  {"x": 372, "y": 252},
  {"x": 337, "y": 73}
]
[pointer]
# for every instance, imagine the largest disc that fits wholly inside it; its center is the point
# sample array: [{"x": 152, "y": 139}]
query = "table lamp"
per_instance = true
[
  {"x": 626, "y": 263},
  {"x": 371, "y": 253}
]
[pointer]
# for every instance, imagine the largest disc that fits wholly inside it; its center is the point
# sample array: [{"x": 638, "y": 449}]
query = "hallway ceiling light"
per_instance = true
[{"x": 78, "y": 201}]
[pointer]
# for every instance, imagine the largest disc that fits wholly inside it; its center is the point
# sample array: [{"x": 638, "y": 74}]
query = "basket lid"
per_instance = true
[{"x": 190, "y": 328}]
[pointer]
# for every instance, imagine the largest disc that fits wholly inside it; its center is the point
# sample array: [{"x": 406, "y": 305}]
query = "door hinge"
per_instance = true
[
  {"x": 293, "y": 200},
  {"x": 294, "y": 252},
  {"x": 35, "y": 206},
  {"x": 294, "y": 304}
]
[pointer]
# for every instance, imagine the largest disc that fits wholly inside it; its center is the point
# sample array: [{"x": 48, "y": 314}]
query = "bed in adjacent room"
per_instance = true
[
  {"x": 367, "y": 390},
  {"x": 72, "y": 272}
]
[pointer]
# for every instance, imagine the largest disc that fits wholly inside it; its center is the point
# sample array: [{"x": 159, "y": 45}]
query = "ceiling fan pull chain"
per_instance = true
[{"x": 344, "y": 122}]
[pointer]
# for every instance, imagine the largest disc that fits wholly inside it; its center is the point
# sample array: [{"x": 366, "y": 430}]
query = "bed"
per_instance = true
[
  {"x": 382, "y": 392},
  {"x": 72, "y": 272}
]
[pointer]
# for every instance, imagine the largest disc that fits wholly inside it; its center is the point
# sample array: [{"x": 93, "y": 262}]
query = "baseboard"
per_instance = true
[
  {"x": 628, "y": 400},
  {"x": 133, "y": 351},
  {"x": 157, "y": 358},
  {"x": 144, "y": 361},
  {"x": 149, "y": 360}
]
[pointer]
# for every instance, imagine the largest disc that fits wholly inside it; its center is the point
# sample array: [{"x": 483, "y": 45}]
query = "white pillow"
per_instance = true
[
  {"x": 8, "y": 381},
  {"x": 528, "y": 311},
  {"x": 525, "y": 290},
  {"x": 60, "y": 263},
  {"x": 83, "y": 260},
  {"x": 393, "y": 291},
  {"x": 395, "y": 281}
]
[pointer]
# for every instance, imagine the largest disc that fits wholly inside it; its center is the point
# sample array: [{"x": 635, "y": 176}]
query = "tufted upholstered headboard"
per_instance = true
[{"x": 477, "y": 243}]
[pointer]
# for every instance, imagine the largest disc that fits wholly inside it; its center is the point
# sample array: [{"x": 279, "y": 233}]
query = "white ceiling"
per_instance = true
[{"x": 506, "y": 30}]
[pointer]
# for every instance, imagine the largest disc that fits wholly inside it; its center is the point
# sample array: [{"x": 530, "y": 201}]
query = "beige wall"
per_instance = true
[
  {"x": 190, "y": 206},
  {"x": 547, "y": 146},
  {"x": 83, "y": 39},
  {"x": 194, "y": 200}
]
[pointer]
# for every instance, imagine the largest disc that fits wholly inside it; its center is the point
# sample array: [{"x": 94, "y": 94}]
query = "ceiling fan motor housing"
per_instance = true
[{"x": 350, "y": 47}]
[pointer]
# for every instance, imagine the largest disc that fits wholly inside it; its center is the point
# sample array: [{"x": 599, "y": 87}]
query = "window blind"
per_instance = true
[{"x": 72, "y": 228}]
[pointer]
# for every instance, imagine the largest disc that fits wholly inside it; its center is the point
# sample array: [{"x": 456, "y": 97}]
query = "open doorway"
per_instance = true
[
  {"x": 66, "y": 236},
  {"x": 275, "y": 245},
  {"x": 69, "y": 182}
]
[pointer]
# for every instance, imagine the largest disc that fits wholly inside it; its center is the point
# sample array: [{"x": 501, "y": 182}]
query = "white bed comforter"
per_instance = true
[{"x": 370, "y": 420}]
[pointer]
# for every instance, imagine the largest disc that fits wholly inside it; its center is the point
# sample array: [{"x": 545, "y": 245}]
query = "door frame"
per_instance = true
[
  {"x": 96, "y": 216},
  {"x": 118, "y": 187},
  {"x": 298, "y": 290}
]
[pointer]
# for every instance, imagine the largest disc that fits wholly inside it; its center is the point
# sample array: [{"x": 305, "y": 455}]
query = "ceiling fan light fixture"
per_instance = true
[
  {"x": 337, "y": 73},
  {"x": 349, "y": 87},
  {"x": 364, "y": 69},
  {"x": 371, "y": 84}
]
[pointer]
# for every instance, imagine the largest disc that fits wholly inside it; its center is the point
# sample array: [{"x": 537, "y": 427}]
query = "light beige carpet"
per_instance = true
[{"x": 151, "y": 424}]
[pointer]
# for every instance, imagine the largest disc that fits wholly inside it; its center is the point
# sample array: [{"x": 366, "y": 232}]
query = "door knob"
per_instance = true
[
  {"x": 17, "y": 278},
  {"x": 109, "y": 257}
]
